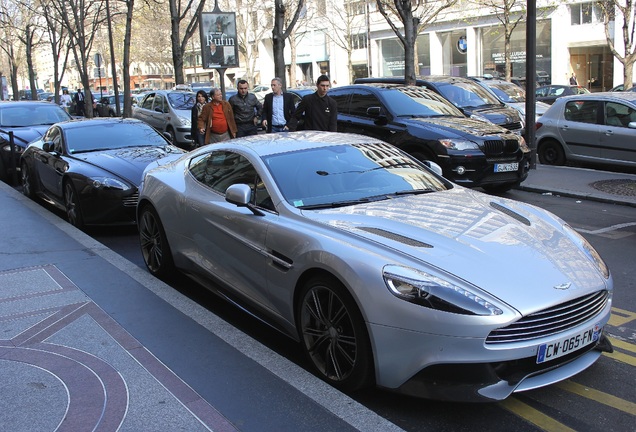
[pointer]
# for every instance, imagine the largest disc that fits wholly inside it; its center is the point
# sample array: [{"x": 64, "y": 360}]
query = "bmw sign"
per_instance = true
[{"x": 462, "y": 45}]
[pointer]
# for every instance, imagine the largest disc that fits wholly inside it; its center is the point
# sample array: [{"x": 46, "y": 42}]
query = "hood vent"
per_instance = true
[
  {"x": 510, "y": 213},
  {"x": 396, "y": 237}
]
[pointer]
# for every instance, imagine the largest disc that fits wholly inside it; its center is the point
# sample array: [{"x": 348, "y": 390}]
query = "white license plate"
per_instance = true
[
  {"x": 507, "y": 167},
  {"x": 554, "y": 350}
]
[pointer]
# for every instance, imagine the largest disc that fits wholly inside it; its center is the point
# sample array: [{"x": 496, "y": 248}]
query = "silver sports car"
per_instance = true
[{"x": 384, "y": 271}]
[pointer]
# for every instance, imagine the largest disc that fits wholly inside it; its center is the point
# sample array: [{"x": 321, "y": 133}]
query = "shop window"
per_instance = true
[{"x": 585, "y": 13}]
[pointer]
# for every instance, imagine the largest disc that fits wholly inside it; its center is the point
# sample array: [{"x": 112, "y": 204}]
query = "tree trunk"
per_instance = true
[{"x": 278, "y": 44}]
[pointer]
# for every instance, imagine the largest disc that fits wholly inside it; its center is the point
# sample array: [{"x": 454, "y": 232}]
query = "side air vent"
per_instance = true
[
  {"x": 396, "y": 237},
  {"x": 510, "y": 213}
]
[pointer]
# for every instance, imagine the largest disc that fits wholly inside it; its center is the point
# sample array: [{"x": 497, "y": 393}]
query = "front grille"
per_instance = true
[
  {"x": 500, "y": 147},
  {"x": 131, "y": 201},
  {"x": 513, "y": 126},
  {"x": 551, "y": 321}
]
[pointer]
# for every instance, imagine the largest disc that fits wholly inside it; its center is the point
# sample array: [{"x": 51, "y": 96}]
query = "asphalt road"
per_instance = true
[{"x": 601, "y": 398}]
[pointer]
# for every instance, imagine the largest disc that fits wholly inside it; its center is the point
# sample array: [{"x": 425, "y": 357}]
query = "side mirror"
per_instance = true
[
  {"x": 240, "y": 195},
  {"x": 377, "y": 113},
  {"x": 434, "y": 167},
  {"x": 48, "y": 146}
]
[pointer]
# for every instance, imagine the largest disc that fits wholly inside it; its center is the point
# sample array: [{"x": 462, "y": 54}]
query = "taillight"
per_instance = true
[{"x": 537, "y": 125}]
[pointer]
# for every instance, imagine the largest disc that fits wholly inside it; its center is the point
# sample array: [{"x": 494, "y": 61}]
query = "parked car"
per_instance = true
[
  {"x": 550, "y": 93},
  {"x": 471, "y": 152},
  {"x": 106, "y": 106},
  {"x": 92, "y": 168},
  {"x": 472, "y": 99},
  {"x": 260, "y": 91},
  {"x": 595, "y": 127},
  {"x": 620, "y": 88},
  {"x": 168, "y": 111},
  {"x": 383, "y": 271},
  {"x": 28, "y": 120},
  {"x": 510, "y": 94}
]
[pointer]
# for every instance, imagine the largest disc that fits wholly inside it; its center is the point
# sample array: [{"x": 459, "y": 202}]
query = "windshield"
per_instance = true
[
  {"x": 509, "y": 93},
  {"x": 467, "y": 94},
  {"x": 182, "y": 100},
  {"x": 416, "y": 102},
  {"x": 36, "y": 114},
  {"x": 343, "y": 175},
  {"x": 111, "y": 135}
]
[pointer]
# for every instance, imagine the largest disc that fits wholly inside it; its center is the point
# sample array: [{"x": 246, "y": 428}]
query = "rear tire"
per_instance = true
[
  {"x": 27, "y": 181},
  {"x": 154, "y": 243},
  {"x": 551, "y": 153},
  {"x": 333, "y": 334}
]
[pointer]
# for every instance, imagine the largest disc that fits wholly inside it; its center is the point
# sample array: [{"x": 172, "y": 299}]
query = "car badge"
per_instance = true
[{"x": 563, "y": 286}]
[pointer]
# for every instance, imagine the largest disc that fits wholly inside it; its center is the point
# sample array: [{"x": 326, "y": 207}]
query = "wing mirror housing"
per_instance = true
[{"x": 241, "y": 195}]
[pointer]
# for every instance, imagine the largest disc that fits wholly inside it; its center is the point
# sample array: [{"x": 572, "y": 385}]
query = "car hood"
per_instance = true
[
  {"x": 496, "y": 114},
  {"x": 463, "y": 126},
  {"x": 129, "y": 163},
  {"x": 539, "y": 107},
  {"x": 24, "y": 135},
  {"x": 516, "y": 252}
]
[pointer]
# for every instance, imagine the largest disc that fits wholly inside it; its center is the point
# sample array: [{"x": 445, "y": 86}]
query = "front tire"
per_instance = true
[
  {"x": 551, "y": 153},
  {"x": 27, "y": 182},
  {"x": 333, "y": 334},
  {"x": 72, "y": 206},
  {"x": 154, "y": 243}
]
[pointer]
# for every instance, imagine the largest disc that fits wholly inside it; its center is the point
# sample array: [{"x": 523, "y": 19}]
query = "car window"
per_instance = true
[
  {"x": 362, "y": 100},
  {"x": 341, "y": 99},
  {"x": 221, "y": 169},
  {"x": 556, "y": 91},
  {"x": 467, "y": 94},
  {"x": 581, "y": 111},
  {"x": 508, "y": 92},
  {"x": 181, "y": 100},
  {"x": 159, "y": 105},
  {"x": 148, "y": 101},
  {"x": 542, "y": 92},
  {"x": 617, "y": 114},
  {"x": 31, "y": 114},
  {"x": 54, "y": 136}
]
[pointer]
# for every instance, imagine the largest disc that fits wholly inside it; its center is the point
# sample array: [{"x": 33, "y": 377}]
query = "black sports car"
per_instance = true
[
  {"x": 92, "y": 168},
  {"x": 28, "y": 120}
]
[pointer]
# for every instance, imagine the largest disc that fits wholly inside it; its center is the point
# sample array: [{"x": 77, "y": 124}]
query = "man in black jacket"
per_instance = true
[
  {"x": 278, "y": 107},
  {"x": 319, "y": 111}
]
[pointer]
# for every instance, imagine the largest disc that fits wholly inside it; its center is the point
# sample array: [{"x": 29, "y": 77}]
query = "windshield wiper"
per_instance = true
[
  {"x": 413, "y": 192},
  {"x": 344, "y": 203}
]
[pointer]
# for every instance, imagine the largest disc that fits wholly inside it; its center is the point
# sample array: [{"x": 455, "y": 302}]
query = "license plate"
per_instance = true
[
  {"x": 554, "y": 350},
  {"x": 506, "y": 167}
]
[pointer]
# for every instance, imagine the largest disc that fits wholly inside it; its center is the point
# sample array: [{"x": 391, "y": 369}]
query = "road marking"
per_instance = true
[
  {"x": 621, "y": 317},
  {"x": 534, "y": 416},
  {"x": 629, "y": 359},
  {"x": 608, "y": 229},
  {"x": 598, "y": 396}
]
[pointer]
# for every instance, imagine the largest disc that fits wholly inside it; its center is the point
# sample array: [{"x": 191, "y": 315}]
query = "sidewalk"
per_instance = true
[
  {"x": 90, "y": 341},
  {"x": 603, "y": 186}
]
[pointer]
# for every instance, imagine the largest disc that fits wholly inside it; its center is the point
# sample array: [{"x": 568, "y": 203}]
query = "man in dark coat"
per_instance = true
[
  {"x": 319, "y": 111},
  {"x": 278, "y": 108}
]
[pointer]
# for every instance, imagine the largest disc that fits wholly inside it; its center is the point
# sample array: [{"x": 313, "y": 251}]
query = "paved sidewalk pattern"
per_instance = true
[{"x": 84, "y": 369}]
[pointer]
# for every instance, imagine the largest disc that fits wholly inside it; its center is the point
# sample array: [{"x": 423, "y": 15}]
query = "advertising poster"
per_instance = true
[{"x": 219, "y": 47}]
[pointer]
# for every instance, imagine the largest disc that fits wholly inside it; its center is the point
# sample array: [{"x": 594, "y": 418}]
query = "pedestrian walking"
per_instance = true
[
  {"x": 318, "y": 110},
  {"x": 247, "y": 110},
  {"x": 65, "y": 100},
  {"x": 278, "y": 108},
  {"x": 216, "y": 120},
  {"x": 201, "y": 99},
  {"x": 573, "y": 80},
  {"x": 79, "y": 103}
]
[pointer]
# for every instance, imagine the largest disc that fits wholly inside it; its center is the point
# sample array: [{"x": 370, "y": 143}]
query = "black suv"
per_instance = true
[
  {"x": 419, "y": 121},
  {"x": 471, "y": 98}
]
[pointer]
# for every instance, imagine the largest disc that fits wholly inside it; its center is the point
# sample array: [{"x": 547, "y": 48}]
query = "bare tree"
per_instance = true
[
  {"x": 251, "y": 25},
  {"x": 347, "y": 25},
  {"x": 621, "y": 13},
  {"x": 82, "y": 19},
  {"x": 281, "y": 32},
  {"x": 415, "y": 15},
  {"x": 58, "y": 39},
  {"x": 9, "y": 42},
  {"x": 180, "y": 10}
]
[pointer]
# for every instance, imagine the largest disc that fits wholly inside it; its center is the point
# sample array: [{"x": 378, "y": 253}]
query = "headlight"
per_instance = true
[
  {"x": 589, "y": 250},
  {"x": 522, "y": 145},
  {"x": 453, "y": 144},
  {"x": 109, "y": 183},
  {"x": 434, "y": 292},
  {"x": 185, "y": 121}
]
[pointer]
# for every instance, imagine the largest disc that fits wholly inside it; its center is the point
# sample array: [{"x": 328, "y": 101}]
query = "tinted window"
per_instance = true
[
  {"x": 31, "y": 114},
  {"x": 341, "y": 99},
  {"x": 361, "y": 100},
  {"x": 467, "y": 94},
  {"x": 115, "y": 135}
]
